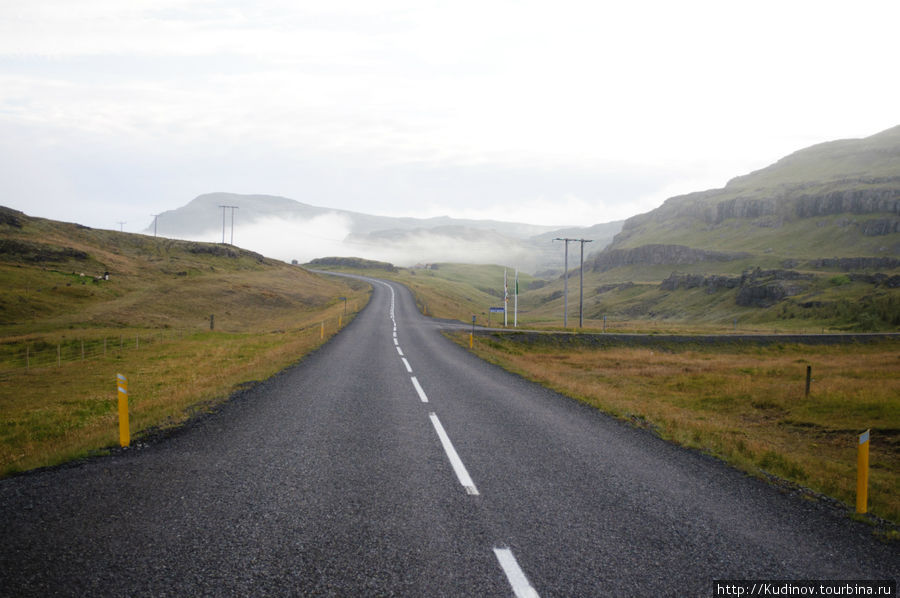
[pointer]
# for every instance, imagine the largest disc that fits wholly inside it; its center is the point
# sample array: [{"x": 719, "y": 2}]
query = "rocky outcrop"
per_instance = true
[
  {"x": 883, "y": 226},
  {"x": 743, "y": 208},
  {"x": 850, "y": 201},
  {"x": 878, "y": 279},
  {"x": 658, "y": 254},
  {"x": 756, "y": 288},
  {"x": 713, "y": 283},
  {"x": 856, "y": 263}
]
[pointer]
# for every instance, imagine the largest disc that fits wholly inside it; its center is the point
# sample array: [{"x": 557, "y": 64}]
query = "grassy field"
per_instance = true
[
  {"x": 631, "y": 300},
  {"x": 746, "y": 405},
  {"x": 55, "y": 413},
  {"x": 66, "y": 331}
]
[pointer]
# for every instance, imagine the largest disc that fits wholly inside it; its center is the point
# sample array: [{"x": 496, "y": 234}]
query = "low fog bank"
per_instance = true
[{"x": 331, "y": 234}]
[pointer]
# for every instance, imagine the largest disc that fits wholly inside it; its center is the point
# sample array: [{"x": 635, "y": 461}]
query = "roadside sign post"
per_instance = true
[
  {"x": 862, "y": 473},
  {"x": 124, "y": 432}
]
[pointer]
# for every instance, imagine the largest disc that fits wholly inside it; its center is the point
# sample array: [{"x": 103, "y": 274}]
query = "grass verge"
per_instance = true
[
  {"x": 58, "y": 413},
  {"x": 744, "y": 404}
]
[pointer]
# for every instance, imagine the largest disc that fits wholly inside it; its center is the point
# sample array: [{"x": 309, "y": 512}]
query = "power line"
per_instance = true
[{"x": 566, "y": 282}]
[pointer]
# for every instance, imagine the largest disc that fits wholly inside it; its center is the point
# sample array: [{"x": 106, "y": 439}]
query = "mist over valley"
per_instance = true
[{"x": 290, "y": 230}]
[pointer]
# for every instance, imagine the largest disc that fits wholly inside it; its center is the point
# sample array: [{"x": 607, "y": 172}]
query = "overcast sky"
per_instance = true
[{"x": 559, "y": 112}]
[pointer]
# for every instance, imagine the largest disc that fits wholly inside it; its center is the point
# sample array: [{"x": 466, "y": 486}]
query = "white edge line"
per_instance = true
[
  {"x": 406, "y": 363},
  {"x": 419, "y": 389},
  {"x": 458, "y": 468},
  {"x": 520, "y": 585},
  {"x": 396, "y": 342},
  {"x": 400, "y": 351}
]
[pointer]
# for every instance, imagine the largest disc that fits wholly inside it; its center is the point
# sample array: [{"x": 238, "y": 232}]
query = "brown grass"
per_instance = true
[
  {"x": 746, "y": 406},
  {"x": 54, "y": 414}
]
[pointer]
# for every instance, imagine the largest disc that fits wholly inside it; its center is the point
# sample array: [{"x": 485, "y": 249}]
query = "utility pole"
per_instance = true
[
  {"x": 581, "y": 284},
  {"x": 155, "y": 218},
  {"x": 232, "y": 208},
  {"x": 121, "y": 224},
  {"x": 566, "y": 283}
]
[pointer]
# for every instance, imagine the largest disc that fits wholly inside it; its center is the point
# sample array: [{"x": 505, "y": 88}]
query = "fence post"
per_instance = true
[
  {"x": 27, "y": 356},
  {"x": 808, "y": 378},
  {"x": 58, "y": 356}
]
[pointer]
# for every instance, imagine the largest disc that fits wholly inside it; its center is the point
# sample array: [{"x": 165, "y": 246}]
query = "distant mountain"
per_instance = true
[
  {"x": 835, "y": 199},
  {"x": 288, "y": 229}
]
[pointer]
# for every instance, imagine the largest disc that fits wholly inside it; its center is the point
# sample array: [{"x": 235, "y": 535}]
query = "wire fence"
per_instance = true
[{"x": 15, "y": 357}]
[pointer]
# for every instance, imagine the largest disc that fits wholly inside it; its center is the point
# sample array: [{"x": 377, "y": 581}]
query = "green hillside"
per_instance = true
[
  {"x": 187, "y": 323},
  {"x": 837, "y": 199},
  {"x": 810, "y": 242}
]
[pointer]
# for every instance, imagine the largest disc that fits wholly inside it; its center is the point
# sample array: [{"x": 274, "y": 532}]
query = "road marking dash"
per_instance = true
[
  {"x": 406, "y": 363},
  {"x": 396, "y": 342},
  {"x": 419, "y": 389},
  {"x": 520, "y": 585},
  {"x": 400, "y": 351},
  {"x": 458, "y": 468}
]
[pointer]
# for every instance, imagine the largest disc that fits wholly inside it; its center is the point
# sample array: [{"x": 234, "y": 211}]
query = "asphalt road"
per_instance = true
[{"x": 393, "y": 462}]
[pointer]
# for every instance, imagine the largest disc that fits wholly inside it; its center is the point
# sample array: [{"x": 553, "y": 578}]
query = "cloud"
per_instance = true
[
  {"x": 294, "y": 239},
  {"x": 429, "y": 246},
  {"x": 328, "y": 235},
  {"x": 512, "y": 108}
]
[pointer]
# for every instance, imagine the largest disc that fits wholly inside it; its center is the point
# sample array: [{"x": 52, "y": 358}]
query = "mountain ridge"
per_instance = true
[
  {"x": 845, "y": 185},
  {"x": 401, "y": 240}
]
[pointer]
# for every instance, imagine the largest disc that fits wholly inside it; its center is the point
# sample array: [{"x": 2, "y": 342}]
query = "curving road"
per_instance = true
[{"x": 393, "y": 462}]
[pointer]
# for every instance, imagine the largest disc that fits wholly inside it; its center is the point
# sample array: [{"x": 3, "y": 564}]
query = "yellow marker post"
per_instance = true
[
  {"x": 340, "y": 321},
  {"x": 862, "y": 473},
  {"x": 124, "y": 434},
  {"x": 322, "y": 332}
]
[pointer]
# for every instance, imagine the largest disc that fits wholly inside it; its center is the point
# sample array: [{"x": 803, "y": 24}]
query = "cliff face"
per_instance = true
[
  {"x": 859, "y": 197},
  {"x": 852, "y": 201},
  {"x": 833, "y": 196},
  {"x": 656, "y": 254}
]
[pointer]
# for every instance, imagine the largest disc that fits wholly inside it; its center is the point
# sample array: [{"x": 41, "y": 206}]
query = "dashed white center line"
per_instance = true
[
  {"x": 419, "y": 389},
  {"x": 458, "y": 468},
  {"x": 520, "y": 585}
]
